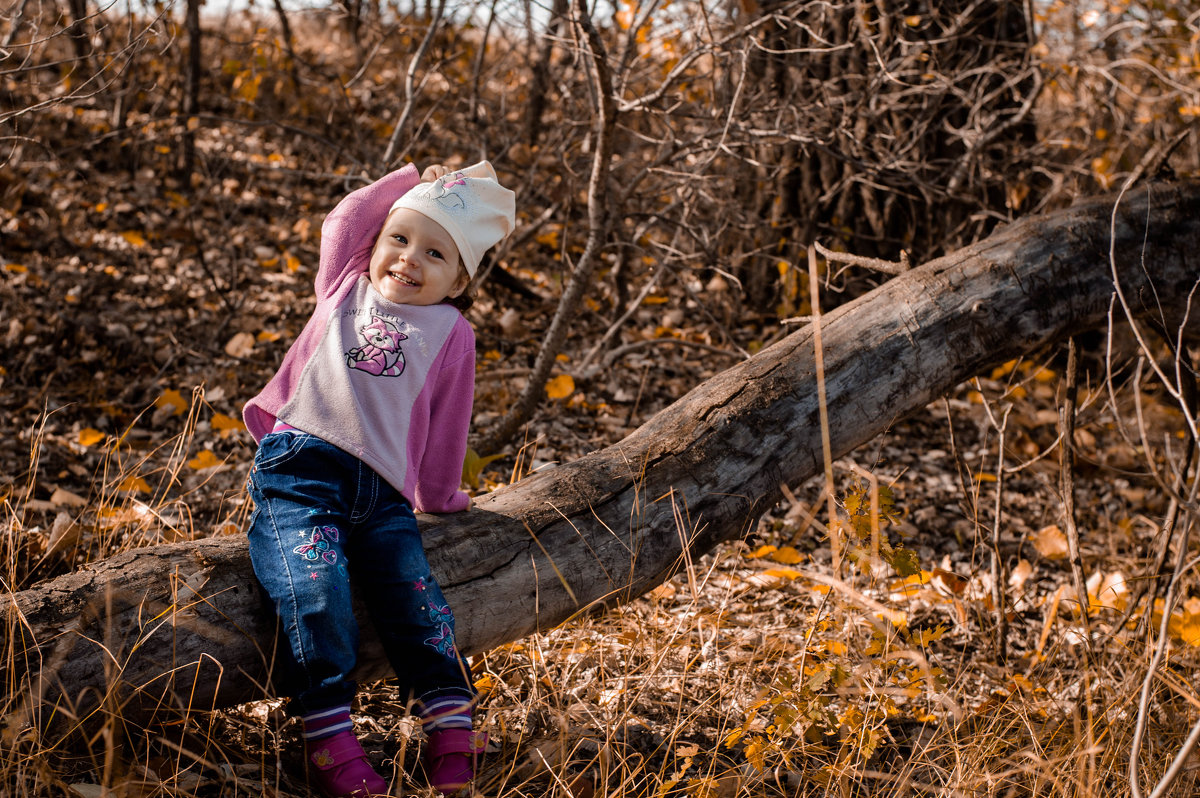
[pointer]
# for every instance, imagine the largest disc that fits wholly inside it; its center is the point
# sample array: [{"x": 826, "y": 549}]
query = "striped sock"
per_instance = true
[
  {"x": 446, "y": 712},
  {"x": 327, "y": 722}
]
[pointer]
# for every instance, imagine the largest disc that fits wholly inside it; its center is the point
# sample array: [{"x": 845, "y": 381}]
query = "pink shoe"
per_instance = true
[
  {"x": 451, "y": 757},
  {"x": 342, "y": 770}
]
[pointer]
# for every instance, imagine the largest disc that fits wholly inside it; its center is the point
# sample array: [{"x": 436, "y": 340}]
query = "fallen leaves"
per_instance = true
[
  {"x": 226, "y": 425},
  {"x": 1051, "y": 543},
  {"x": 241, "y": 345},
  {"x": 787, "y": 555},
  {"x": 473, "y": 465},
  {"x": 205, "y": 459},
  {"x": 133, "y": 484},
  {"x": 172, "y": 401},
  {"x": 65, "y": 498},
  {"x": 90, "y": 437},
  {"x": 560, "y": 387}
]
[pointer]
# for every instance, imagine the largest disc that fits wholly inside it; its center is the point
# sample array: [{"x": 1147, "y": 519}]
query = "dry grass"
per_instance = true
[{"x": 755, "y": 672}]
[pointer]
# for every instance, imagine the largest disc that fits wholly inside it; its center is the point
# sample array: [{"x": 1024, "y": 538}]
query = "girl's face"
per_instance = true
[{"x": 415, "y": 261}]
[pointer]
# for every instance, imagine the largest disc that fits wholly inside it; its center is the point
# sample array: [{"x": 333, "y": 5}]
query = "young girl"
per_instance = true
[{"x": 365, "y": 422}]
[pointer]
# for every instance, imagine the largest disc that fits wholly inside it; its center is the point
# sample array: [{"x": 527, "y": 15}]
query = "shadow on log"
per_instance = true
[{"x": 183, "y": 626}]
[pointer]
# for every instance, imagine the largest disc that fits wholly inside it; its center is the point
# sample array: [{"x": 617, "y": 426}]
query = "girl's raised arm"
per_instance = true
[{"x": 352, "y": 226}]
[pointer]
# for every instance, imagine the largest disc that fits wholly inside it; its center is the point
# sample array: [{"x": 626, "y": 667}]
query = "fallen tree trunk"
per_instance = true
[{"x": 183, "y": 626}]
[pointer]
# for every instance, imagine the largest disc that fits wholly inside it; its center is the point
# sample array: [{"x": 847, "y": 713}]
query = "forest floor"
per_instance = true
[{"x": 138, "y": 315}]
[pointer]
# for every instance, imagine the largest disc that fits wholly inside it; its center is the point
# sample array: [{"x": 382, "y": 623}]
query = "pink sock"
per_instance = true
[
  {"x": 327, "y": 722},
  {"x": 448, "y": 712}
]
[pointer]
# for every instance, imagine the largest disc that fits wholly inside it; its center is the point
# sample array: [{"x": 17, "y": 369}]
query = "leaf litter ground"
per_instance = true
[{"x": 137, "y": 321}]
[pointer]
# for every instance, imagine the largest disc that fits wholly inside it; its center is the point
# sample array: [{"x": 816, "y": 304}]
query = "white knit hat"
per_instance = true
[{"x": 470, "y": 205}]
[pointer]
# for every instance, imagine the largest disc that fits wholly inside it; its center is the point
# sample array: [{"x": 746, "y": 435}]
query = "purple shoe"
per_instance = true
[
  {"x": 451, "y": 757},
  {"x": 342, "y": 770}
]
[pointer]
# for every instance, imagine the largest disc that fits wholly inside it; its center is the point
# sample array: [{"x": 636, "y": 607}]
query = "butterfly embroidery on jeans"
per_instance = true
[
  {"x": 443, "y": 641},
  {"x": 318, "y": 546},
  {"x": 439, "y": 614}
]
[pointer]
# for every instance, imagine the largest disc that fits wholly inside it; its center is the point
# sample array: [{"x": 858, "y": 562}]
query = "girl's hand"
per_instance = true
[{"x": 433, "y": 172}]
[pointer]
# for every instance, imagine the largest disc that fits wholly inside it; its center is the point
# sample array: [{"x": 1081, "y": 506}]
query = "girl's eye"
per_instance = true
[
  {"x": 400, "y": 239},
  {"x": 437, "y": 254}
]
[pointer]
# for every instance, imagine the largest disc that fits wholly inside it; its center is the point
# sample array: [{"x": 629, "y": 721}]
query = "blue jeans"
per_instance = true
[{"x": 322, "y": 520}]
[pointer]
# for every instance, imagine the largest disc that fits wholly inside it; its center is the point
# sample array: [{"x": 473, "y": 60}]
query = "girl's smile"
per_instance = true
[{"x": 415, "y": 261}]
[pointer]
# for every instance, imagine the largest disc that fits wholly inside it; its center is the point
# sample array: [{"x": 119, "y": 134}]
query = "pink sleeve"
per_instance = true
[
  {"x": 453, "y": 394},
  {"x": 354, "y": 224},
  {"x": 347, "y": 235}
]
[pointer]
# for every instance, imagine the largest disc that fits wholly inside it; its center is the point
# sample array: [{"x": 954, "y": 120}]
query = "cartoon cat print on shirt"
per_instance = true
[{"x": 381, "y": 354}]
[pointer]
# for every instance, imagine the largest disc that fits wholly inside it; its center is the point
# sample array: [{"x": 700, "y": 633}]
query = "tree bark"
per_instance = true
[{"x": 183, "y": 625}]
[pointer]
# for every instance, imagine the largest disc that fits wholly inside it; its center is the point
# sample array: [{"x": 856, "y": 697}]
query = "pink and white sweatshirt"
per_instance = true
[{"x": 391, "y": 384}]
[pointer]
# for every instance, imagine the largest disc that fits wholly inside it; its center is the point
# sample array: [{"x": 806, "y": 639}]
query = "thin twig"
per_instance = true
[
  {"x": 999, "y": 593},
  {"x": 621, "y": 351},
  {"x": 604, "y": 125},
  {"x": 874, "y": 264},
  {"x": 960, "y": 467},
  {"x": 616, "y": 325},
  {"x": 410, "y": 89},
  {"x": 835, "y": 542},
  {"x": 1135, "y": 747},
  {"x": 1066, "y": 481}
]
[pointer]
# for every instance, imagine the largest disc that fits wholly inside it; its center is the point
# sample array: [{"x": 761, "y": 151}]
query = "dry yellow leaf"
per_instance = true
[
  {"x": 64, "y": 533},
  {"x": 560, "y": 387},
  {"x": 1045, "y": 375},
  {"x": 761, "y": 552},
  {"x": 205, "y": 459},
  {"x": 1020, "y": 574},
  {"x": 787, "y": 556},
  {"x": 836, "y": 647},
  {"x": 1108, "y": 590},
  {"x": 240, "y": 345},
  {"x": 222, "y": 422},
  {"x": 134, "y": 485},
  {"x": 1189, "y": 630},
  {"x": 66, "y": 498},
  {"x": 172, "y": 399},
  {"x": 90, "y": 437},
  {"x": 134, "y": 238},
  {"x": 1004, "y": 369},
  {"x": 1050, "y": 542}
]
